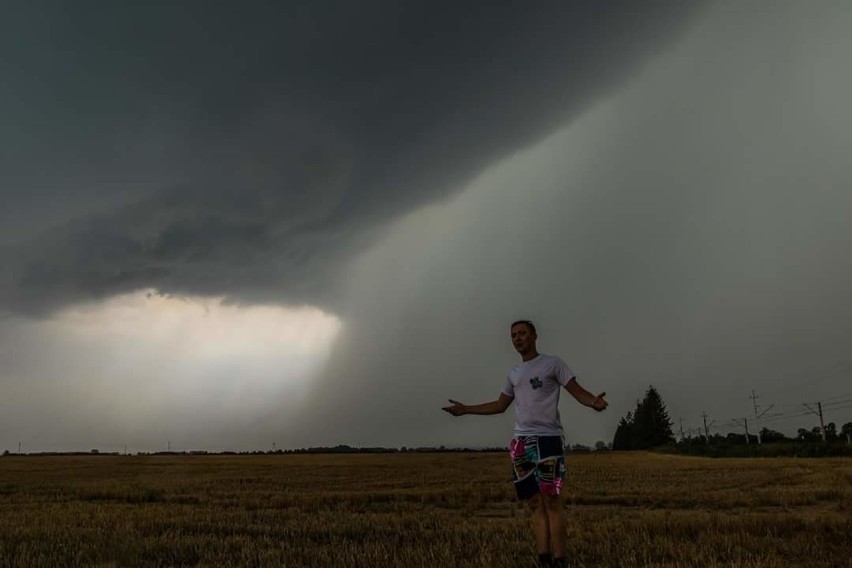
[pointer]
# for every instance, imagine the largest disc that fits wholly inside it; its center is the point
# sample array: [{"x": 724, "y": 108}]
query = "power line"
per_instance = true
[
  {"x": 780, "y": 417},
  {"x": 827, "y": 398},
  {"x": 791, "y": 411}
]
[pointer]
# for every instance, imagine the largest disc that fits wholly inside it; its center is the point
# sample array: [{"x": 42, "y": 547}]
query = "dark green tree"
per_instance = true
[
  {"x": 646, "y": 427},
  {"x": 768, "y": 436},
  {"x": 652, "y": 426},
  {"x": 846, "y": 430},
  {"x": 623, "y": 434},
  {"x": 806, "y": 435},
  {"x": 831, "y": 431}
]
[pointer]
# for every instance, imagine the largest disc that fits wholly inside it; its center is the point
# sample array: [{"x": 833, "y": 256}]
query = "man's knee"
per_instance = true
[
  {"x": 536, "y": 503},
  {"x": 550, "y": 502}
]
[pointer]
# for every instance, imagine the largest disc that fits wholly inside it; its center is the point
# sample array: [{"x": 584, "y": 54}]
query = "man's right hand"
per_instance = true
[{"x": 457, "y": 408}]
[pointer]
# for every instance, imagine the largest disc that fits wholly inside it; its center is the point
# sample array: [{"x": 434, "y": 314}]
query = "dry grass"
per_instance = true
[{"x": 417, "y": 510}]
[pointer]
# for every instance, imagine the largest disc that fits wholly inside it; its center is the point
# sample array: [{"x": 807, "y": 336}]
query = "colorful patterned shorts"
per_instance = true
[{"x": 538, "y": 465}]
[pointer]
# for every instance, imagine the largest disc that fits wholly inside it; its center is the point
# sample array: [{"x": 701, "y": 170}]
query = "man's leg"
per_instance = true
[
  {"x": 524, "y": 453},
  {"x": 557, "y": 522},
  {"x": 551, "y": 472},
  {"x": 540, "y": 525}
]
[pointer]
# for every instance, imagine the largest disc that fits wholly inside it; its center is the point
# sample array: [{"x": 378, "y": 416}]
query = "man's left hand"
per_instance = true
[{"x": 600, "y": 403}]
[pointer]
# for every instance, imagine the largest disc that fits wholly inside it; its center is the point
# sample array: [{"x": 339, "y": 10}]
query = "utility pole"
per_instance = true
[
  {"x": 19, "y": 448},
  {"x": 818, "y": 412},
  {"x": 706, "y": 428},
  {"x": 170, "y": 445},
  {"x": 757, "y": 416},
  {"x": 681, "y": 429}
]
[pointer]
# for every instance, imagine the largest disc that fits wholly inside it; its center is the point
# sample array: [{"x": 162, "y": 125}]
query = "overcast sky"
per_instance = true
[{"x": 228, "y": 227}]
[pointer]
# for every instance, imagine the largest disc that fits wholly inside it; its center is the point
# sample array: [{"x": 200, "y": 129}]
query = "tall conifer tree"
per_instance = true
[{"x": 646, "y": 427}]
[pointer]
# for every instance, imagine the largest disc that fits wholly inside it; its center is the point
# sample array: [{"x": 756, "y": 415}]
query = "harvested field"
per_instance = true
[{"x": 454, "y": 510}]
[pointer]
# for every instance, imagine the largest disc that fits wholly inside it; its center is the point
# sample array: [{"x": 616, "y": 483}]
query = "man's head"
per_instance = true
[{"x": 524, "y": 337}]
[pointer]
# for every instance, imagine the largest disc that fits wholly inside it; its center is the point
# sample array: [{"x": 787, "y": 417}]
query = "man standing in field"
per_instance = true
[{"x": 538, "y": 459}]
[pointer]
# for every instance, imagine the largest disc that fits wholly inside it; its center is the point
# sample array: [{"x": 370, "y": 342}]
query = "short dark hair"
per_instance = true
[{"x": 527, "y": 323}]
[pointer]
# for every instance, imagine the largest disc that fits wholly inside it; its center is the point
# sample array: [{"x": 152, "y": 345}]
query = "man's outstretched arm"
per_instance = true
[
  {"x": 586, "y": 398},
  {"x": 494, "y": 407}
]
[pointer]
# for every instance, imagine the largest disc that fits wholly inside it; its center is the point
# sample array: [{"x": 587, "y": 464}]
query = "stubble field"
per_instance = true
[{"x": 414, "y": 510}]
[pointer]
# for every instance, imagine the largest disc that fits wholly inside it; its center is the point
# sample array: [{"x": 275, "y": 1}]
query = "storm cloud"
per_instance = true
[{"x": 202, "y": 148}]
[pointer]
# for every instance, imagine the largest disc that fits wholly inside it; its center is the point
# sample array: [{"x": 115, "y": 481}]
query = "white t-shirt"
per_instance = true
[{"x": 535, "y": 386}]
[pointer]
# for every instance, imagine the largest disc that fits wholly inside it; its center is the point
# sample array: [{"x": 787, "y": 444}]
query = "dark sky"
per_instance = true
[
  {"x": 249, "y": 151},
  {"x": 312, "y": 223}
]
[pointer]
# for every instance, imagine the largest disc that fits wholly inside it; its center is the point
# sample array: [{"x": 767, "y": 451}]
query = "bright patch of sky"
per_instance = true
[{"x": 186, "y": 366}]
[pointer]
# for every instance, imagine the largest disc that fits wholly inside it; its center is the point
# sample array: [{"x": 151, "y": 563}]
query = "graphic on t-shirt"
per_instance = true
[{"x": 535, "y": 382}]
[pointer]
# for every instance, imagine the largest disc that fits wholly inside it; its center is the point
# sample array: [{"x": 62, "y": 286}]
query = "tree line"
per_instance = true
[{"x": 649, "y": 427}]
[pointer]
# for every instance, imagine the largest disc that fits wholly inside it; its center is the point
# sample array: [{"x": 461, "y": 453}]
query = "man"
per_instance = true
[{"x": 538, "y": 459}]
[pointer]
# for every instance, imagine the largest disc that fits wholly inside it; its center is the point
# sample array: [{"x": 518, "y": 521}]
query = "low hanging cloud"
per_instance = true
[{"x": 252, "y": 152}]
